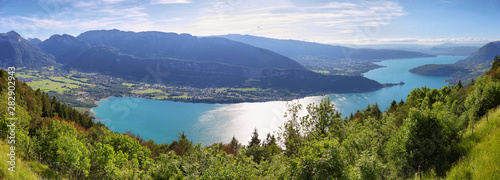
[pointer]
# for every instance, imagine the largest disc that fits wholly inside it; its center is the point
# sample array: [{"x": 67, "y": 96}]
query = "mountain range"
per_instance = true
[
  {"x": 184, "y": 46},
  {"x": 451, "y": 49},
  {"x": 17, "y": 51},
  {"x": 65, "y": 48},
  {"x": 182, "y": 59},
  {"x": 483, "y": 56},
  {"x": 471, "y": 67},
  {"x": 201, "y": 74},
  {"x": 298, "y": 50}
]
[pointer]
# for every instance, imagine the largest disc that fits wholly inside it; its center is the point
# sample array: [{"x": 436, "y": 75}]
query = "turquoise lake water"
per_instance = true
[{"x": 208, "y": 123}]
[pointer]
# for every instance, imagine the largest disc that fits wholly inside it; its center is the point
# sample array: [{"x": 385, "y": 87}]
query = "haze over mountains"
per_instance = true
[
  {"x": 471, "y": 67},
  {"x": 298, "y": 50},
  {"x": 453, "y": 49},
  {"x": 483, "y": 56},
  {"x": 204, "y": 62},
  {"x": 182, "y": 59},
  {"x": 184, "y": 46},
  {"x": 64, "y": 47}
]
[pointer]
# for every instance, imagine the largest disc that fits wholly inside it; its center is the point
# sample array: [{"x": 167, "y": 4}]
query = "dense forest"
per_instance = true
[{"x": 431, "y": 134}]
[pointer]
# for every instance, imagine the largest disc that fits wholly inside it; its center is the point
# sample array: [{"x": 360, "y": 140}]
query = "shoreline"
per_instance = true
[
  {"x": 271, "y": 99},
  {"x": 235, "y": 101},
  {"x": 97, "y": 105}
]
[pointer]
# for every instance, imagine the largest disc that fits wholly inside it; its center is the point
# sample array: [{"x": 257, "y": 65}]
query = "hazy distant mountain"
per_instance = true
[
  {"x": 34, "y": 40},
  {"x": 453, "y": 49},
  {"x": 17, "y": 51},
  {"x": 111, "y": 61},
  {"x": 390, "y": 46},
  {"x": 296, "y": 49},
  {"x": 64, "y": 47},
  {"x": 187, "y": 47},
  {"x": 471, "y": 67},
  {"x": 483, "y": 56},
  {"x": 170, "y": 58},
  {"x": 446, "y": 45}
]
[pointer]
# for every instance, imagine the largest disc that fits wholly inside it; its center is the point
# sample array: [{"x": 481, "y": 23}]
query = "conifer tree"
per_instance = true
[{"x": 255, "y": 139}]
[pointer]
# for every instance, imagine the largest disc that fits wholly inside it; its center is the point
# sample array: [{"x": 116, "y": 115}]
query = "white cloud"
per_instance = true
[
  {"x": 334, "y": 22},
  {"x": 112, "y": 1},
  {"x": 429, "y": 41},
  {"x": 324, "y": 22},
  {"x": 283, "y": 19},
  {"x": 171, "y": 2},
  {"x": 83, "y": 16},
  {"x": 96, "y": 3}
]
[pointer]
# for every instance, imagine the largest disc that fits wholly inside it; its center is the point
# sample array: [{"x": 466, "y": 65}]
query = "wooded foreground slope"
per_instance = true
[{"x": 445, "y": 133}]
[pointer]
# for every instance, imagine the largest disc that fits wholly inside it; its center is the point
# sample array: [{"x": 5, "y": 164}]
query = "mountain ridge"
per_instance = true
[
  {"x": 201, "y": 74},
  {"x": 17, "y": 51},
  {"x": 471, "y": 67},
  {"x": 64, "y": 47},
  {"x": 154, "y": 44},
  {"x": 182, "y": 59},
  {"x": 482, "y": 56},
  {"x": 295, "y": 48}
]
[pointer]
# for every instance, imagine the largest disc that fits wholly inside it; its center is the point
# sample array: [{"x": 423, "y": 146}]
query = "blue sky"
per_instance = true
[{"x": 344, "y": 22}]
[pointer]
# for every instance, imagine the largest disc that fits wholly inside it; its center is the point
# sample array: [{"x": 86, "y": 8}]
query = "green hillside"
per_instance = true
[
  {"x": 22, "y": 171},
  {"x": 447, "y": 133},
  {"x": 482, "y": 146}
]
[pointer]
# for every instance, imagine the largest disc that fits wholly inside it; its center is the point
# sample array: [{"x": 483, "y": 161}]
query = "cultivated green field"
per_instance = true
[
  {"x": 47, "y": 82},
  {"x": 185, "y": 96},
  {"x": 149, "y": 91},
  {"x": 49, "y": 85},
  {"x": 321, "y": 72}
]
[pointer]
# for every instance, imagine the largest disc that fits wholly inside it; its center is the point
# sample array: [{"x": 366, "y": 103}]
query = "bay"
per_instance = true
[{"x": 209, "y": 123}]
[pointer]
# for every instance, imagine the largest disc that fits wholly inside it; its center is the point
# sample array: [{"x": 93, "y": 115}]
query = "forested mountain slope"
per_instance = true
[
  {"x": 295, "y": 49},
  {"x": 186, "y": 47},
  {"x": 329, "y": 59},
  {"x": 174, "y": 60},
  {"x": 109, "y": 60},
  {"x": 65, "y": 48},
  {"x": 17, "y": 51}
]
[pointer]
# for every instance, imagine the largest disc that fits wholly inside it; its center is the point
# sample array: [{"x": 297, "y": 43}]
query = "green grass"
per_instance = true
[
  {"x": 321, "y": 72},
  {"x": 57, "y": 83},
  {"x": 185, "y": 96},
  {"x": 150, "y": 91},
  {"x": 22, "y": 169},
  {"x": 244, "y": 89},
  {"x": 48, "y": 85},
  {"x": 220, "y": 90},
  {"x": 68, "y": 80},
  {"x": 52, "y": 83},
  {"x": 81, "y": 80},
  {"x": 50, "y": 68},
  {"x": 129, "y": 84},
  {"x": 27, "y": 75},
  {"x": 483, "y": 146}
]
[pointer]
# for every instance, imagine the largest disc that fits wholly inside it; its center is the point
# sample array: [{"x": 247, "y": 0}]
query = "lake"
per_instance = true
[{"x": 208, "y": 123}]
